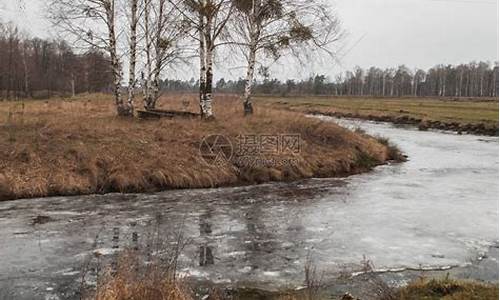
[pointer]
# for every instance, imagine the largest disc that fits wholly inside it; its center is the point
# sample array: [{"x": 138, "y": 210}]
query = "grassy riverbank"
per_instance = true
[
  {"x": 158, "y": 283},
  {"x": 130, "y": 287},
  {"x": 131, "y": 277},
  {"x": 428, "y": 289},
  {"x": 77, "y": 147},
  {"x": 479, "y": 116},
  {"x": 437, "y": 289}
]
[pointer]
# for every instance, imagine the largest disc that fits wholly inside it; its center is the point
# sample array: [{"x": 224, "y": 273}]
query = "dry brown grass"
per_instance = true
[
  {"x": 447, "y": 289},
  {"x": 62, "y": 147},
  {"x": 158, "y": 279},
  {"x": 133, "y": 280}
]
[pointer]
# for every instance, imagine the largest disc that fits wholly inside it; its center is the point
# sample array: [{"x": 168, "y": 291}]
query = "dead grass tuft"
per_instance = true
[
  {"x": 447, "y": 289},
  {"x": 393, "y": 151},
  {"x": 130, "y": 284}
]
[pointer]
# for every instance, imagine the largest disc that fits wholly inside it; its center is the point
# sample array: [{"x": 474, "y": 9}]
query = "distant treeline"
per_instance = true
[
  {"x": 465, "y": 80},
  {"x": 33, "y": 67}
]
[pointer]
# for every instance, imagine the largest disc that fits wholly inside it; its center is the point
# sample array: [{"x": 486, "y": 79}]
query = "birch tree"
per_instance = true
[
  {"x": 164, "y": 33},
  {"x": 134, "y": 19},
  {"x": 208, "y": 20},
  {"x": 271, "y": 28},
  {"x": 94, "y": 23}
]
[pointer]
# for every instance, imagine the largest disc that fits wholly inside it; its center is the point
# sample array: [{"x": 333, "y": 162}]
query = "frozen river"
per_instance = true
[{"x": 439, "y": 209}]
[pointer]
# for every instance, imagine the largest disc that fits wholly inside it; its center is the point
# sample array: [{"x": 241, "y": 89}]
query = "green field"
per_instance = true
[{"x": 443, "y": 110}]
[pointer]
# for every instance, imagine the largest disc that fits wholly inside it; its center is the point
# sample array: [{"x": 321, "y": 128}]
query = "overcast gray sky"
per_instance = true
[{"x": 384, "y": 33}]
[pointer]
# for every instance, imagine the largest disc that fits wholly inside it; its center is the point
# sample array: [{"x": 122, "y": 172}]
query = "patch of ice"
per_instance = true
[
  {"x": 51, "y": 297},
  {"x": 192, "y": 273},
  {"x": 63, "y": 213},
  {"x": 313, "y": 241},
  {"x": 245, "y": 269},
  {"x": 68, "y": 272},
  {"x": 105, "y": 251},
  {"x": 222, "y": 280},
  {"x": 271, "y": 273},
  {"x": 234, "y": 254}
]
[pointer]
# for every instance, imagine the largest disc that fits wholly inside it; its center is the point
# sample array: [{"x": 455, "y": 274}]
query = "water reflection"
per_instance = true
[
  {"x": 423, "y": 212},
  {"x": 206, "y": 250}
]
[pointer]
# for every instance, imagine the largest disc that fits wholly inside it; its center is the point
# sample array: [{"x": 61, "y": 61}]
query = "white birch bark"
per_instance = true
[
  {"x": 208, "y": 20},
  {"x": 122, "y": 109},
  {"x": 147, "y": 77},
  {"x": 254, "y": 34},
  {"x": 206, "y": 65},
  {"x": 247, "y": 97},
  {"x": 133, "y": 53},
  {"x": 252, "y": 55},
  {"x": 155, "y": 84},
  {"x": 207, "y": 111},
  {"x": 159, "y": 53},
  {"x": 203, "y": 62}
]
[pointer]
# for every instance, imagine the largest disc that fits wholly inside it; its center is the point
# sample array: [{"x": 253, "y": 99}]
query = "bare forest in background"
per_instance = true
[
  {"x": 38, "y": 68},
  {"x": 465, "y": 80}
]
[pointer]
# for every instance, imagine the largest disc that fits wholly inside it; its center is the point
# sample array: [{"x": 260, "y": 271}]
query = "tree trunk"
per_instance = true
[
  {"x": 73, "y": 92},
  {"x": 383, "y": 86},
  {"x": 207, "y": 111},
  {"x": 159, "y": 53},
  {"x": 156, "y": 84},
  {"x": 148, "y": 103},
  {"x": 444, "y": 84},
  {"x": 460, "y": 84},
  {"x": 481, "y": 85},
  {"x": 133, "y": 53},
  {"x": 247, "y": 97},
  {"x": 203, "y": 62},
  {"x": 26, "y": 73},
  {"x": 206, "y": 65},
  {"x": 122, "y": 108}
]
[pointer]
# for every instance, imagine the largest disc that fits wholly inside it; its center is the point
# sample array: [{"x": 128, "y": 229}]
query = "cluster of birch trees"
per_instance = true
[
  {"x": 33, "y": 67},
  {"x": 147, "y": 36},
  {"x": 465, "y": 80}
]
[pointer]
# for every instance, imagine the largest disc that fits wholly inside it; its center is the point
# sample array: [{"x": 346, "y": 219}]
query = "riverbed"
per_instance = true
[{"x": 438, "y": 210}]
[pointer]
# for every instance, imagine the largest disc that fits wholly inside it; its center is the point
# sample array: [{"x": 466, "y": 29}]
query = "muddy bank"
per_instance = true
[{"x": 469, "y": 128}]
